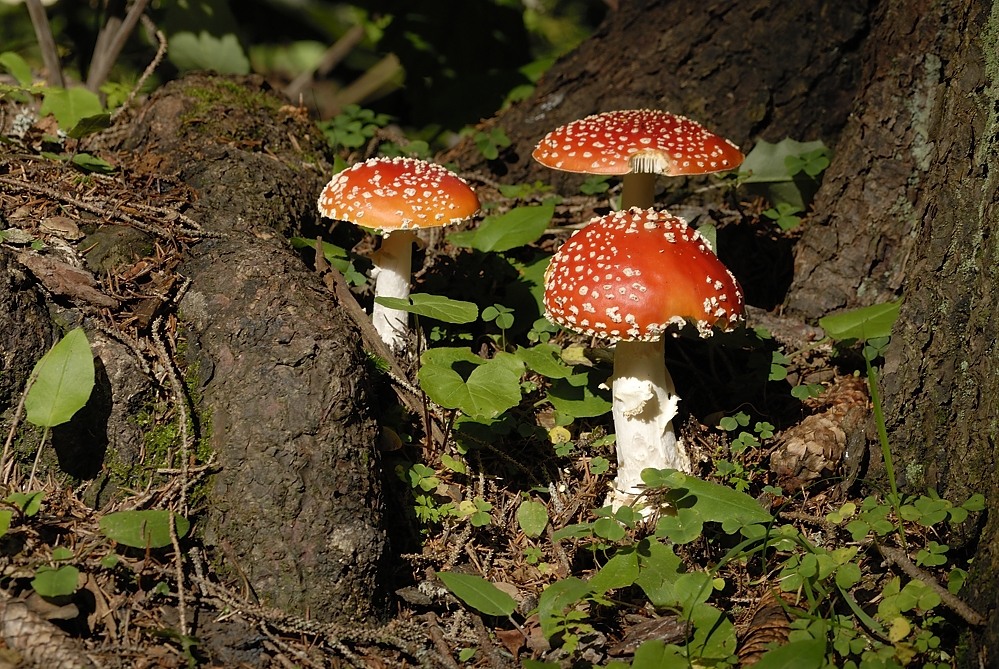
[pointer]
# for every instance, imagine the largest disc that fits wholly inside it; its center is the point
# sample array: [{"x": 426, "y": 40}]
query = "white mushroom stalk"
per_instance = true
[
  {"x": 392, "y": 269},
  {"x": 644, "y": 406},
  {"x": 396, "y": 196},
  {"x": 629, "y": 277}
]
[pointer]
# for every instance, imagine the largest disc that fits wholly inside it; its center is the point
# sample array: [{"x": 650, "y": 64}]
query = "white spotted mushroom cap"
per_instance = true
[
  {"x": 632, "y": 274},
  {"x": 390, "y": 194},
  {"x": 639, "y": 140}
]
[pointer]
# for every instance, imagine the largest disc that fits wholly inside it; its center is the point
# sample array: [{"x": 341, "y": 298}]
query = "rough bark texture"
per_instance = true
[
  {"x": 296, "y": 507},
  {"x": 723, "y": 63},
  {"x": 942, "y": 371},
  {"x": 25, "y": 330}
]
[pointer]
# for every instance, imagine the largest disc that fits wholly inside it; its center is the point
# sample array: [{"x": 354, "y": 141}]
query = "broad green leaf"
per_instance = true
[
  {"x": 70, "y": 106},
  {"x": 28, "y": 502},
  {"x": 558, "y": 597},
  {"x": 714, "y": 633},
  {"x": 149, "y": 528},
  {"x": 60, "y": 553},
  {"x": 478, "y": 593},
  {"x": 682, "y": 528},
  {"x": 90, "y": 125},
  {"x": 658, "y": 569},
  {"x": 90, "y": 163},
  {"x": 456, "y": 378},
  {"x": 767, "y": 163},
  {"x": 17, "y": 67},
  {"x": 546, "y": 360},
  {"x": 618, "y": 572},
  {"x": 518, "y": 227},
  {"x": 712, "y": 501},
  {"x": 64, "y": 379},
  {"x": 655, "y": 654},
  {"x": 800, "y": 654},
  {"x": 5, "y": 517},
  {"x": 51, "y": 582},
  {"x": 863, "y": 323},
  {"x": 573, "y": 396},
  {"x": 532, "y": 517},
  {"x": 437, "y": 307},
  {"x": 207, "y": 52}
]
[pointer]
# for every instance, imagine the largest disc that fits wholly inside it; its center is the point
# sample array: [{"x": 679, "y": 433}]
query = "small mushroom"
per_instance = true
[
  {"x": 396, "y": 196},
  {"x": 629, "y": 277},
  {"x": 638, "y": 144}
]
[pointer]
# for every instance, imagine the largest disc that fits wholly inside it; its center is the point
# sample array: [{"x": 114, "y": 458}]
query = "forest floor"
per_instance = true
[{"x": 164, "y": 608}]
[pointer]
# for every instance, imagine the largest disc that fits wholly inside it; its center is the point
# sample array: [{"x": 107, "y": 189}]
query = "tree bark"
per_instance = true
[
  {"x": 746, "y": 70},
  {"x": 296, "y": 507}
]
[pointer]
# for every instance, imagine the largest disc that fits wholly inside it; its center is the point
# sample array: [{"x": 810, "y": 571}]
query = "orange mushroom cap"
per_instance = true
[
  {"x": 390, "y": 194},
  {"x": 632, "y": 274},
  {"x": 637, "y": 140}
]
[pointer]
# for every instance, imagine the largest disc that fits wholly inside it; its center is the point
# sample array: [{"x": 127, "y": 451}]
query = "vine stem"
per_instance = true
[{"x": 879, "y": 419}]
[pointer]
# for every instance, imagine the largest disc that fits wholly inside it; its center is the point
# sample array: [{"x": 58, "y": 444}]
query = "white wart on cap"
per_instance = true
[{"x": 632, "y": 274}]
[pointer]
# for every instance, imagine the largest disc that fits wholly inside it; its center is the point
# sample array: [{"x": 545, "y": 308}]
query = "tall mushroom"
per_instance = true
[
  {"x": 639, "y": 144},
  {"x": 628, "y": 277},
  {"x": 396, "y": 196}
]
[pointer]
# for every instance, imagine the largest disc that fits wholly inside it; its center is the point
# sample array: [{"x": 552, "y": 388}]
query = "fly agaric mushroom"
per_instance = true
[
  {"x": 396, "y": 196},
  {"x": 628, "y": 277},
  {"x": 637, "y": 143}
]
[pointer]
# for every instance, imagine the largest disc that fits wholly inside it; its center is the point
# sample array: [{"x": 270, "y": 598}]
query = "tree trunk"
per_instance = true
[
  {"x": 271, "y": 358},
  {"x": 296, "y": 506}
]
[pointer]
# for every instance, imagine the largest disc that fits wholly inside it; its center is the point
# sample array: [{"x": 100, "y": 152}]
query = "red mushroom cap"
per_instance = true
[
  {"x": 631, "y": 274},
  {"x": 398, "y": 193},
  {"x": 639, "y": 140}
]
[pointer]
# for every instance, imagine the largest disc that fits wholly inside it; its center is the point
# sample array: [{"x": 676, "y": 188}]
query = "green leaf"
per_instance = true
[
  {"x": 800, "y": 654},
  {"x": 70, "y": 106},
  {"x": 456, "y": 378},
  {"x": 574, "y": 397},
  {"x": 207, "y": 52},
  {"x": 90, "y": 163},
  {"x": 60, "y": 553},
  {"x": 682, "y": 528},
  {"x": 546, "y": 360},
  {"x": 618, "y": 572},
  {"x": 767, "y": 163},
  {"x": 863, "y": 323},
  {"x": 90, "y": 125},
  {"x": 149, "y": 528},
  {"x": 5, "y": 517},
  {"x": 479, "y": 593},
  {"x": 659, "y": 567},
  {"x": 64, "y": 379},
  {"x": 28, "y": 502},
  {"x": 655, "y": 654},
  {"x": 712, "y": 501},
  {"x": 518, "y": 227},
  {"x": 532, "y": 517},
  {"x": 17, "y": 67},
  {"x": 437, "y": 307},
  {"x": 52, "y": 582},
  {"x": 558, "y": 597}
]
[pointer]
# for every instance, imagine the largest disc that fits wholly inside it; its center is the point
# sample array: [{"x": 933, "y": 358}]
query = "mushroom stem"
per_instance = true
[
  {"x": 393, "y": 264},
  {"x": 644, "y": 405},
  {"x": 638, "y": 189}
]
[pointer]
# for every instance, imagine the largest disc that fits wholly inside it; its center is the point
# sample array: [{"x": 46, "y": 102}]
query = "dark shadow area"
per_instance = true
[{"x": 82, "y": 443}]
